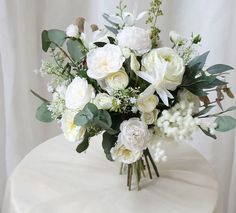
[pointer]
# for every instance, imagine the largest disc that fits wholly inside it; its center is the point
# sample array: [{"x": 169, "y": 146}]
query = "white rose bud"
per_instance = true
[
  {"x": 118, "y": 80},
  {"x": 147, "y": 103},
  {"x": 103, "y": 101},
  {"x": 134, "y": 64},
  {"x": 126, "y": 52},
  {"x": 78, "y": 94},
  {"x": 72, "y": 31},
  {"x": 72, "y": 132},
  {"x": 134, "y": 134},
  {"x": 176, "y": 38},
  {"x": 150, "y": 117}
]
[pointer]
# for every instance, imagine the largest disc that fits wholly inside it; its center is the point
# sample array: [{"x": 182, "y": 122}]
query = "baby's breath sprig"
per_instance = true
[
  {"x": 153, "y": 13},
  {"x": 120, "y": 10}
]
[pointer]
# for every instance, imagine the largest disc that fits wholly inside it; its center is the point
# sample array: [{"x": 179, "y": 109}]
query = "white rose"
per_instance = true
[
  {"x": 71, "y": 131},
  {"x": 164, "y": 69},
  {"x": 176, "y": 38},
  {"x": 124, "y": 155},
  {"x": 104, "y": 61},
  {"x": 150, "y": 117},
  {"x": 185, "y": 95},
  {"x": 72, "y": 31},
  {"x": 146, "y": 102},
  {"x": 118, "y": 80},
  {"x": 134, "y": 134},
  {"x": 103, "y": 101},
  {"x": 126, "y": 52},
  {"x": 135, "y": 38},
  {"x": 78, "y": 94}
]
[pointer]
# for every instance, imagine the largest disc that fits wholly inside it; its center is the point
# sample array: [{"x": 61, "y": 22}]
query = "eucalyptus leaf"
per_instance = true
[
  {"x": 108, "y": 143},
  {"x": 200, "y": 60},
  {"x": 112, "y": 29},
  {"x": 208, "y": 133},
  {"x": 219, "y": 68},
  {"x": 81, "y": 119},
  {"x": 83, "y": 145},
  {"x": 43, "y": 114},
  {"x": 52, "y": 38},
  {"x": 204, "y": 111},
  {"x": 75, "y": 50},
  {"x": 225, "y": 123}
]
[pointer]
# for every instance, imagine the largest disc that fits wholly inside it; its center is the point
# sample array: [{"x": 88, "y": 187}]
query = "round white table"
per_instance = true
[{"x": 53, "y": 178}]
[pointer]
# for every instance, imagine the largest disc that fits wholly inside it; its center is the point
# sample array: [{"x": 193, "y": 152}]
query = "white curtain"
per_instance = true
[{"x": 21, "y": 22}]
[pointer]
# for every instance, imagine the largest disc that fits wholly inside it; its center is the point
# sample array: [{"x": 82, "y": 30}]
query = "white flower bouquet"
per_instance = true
[{"x": 121, "y": 82}]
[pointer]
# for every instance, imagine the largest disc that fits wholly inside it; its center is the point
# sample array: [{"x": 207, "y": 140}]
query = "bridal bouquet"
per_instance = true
[{"x": 119, "y": 80}]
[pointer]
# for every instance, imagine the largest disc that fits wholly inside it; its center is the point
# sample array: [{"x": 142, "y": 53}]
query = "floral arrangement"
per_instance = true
[{"x": 122, "y": 82}]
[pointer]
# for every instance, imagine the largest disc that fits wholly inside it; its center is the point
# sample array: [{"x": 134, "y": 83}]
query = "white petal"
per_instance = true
[
  {"x": 116, "y": 19},
  {"x": 145, "y": 76},
  {"x": 163, "y": 96},
  {"x": 141, "y": 15}
]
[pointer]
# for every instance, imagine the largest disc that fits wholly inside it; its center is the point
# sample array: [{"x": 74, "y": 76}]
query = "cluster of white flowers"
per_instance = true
[
  {"x": 186, "y": 48},
  {"x": 159, "y": 152},
  {"x": 178, "y": 122}
]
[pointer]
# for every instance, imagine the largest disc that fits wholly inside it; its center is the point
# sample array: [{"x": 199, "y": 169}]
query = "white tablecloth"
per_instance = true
[{"x": 53, "y": 178}]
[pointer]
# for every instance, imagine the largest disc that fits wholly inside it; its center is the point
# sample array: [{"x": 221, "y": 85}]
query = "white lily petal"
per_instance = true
[
  {"x": 148, "y": 91},
  {"x": 163, "y": 96},
  {"x": 141, "y": 15},
  {"x": 145, "y": 76}
]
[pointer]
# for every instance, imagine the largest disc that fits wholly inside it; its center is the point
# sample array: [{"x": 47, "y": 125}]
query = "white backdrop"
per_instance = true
[{"x": 21, "y": 22}]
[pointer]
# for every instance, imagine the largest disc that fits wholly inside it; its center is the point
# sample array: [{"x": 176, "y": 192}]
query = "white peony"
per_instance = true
[
  {"x": 124, "y": 155},
  {"x": 134, "y": 134},
  {"x": 147, "y": 102},
  {"x": 72, "y": 31},
  {"x": 135, "y": 38},
  {"x": 118, "y": 80},
  {"x": 78, "y": 94},
  {"x": 104, "y": 61},
  {"x": 72, "y": 132},
  {"x": 150, "y": 117},
  {"x": 164, "y": 69},
  {"x": 103, "y": 101}
]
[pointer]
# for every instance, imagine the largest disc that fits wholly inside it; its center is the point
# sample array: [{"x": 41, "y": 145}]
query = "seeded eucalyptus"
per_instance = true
[{"x": 153, "y": 13}]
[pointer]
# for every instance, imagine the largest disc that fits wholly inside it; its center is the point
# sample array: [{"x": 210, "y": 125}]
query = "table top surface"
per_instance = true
[{"x": 54, "y": 178}]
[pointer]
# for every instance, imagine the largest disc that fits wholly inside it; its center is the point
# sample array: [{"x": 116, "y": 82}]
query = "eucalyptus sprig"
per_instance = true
[{"x": 153, "y": 13}]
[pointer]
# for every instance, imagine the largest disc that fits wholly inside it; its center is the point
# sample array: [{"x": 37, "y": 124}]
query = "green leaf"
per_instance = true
[
  {"x": 208, "y": 133},
  {"x": 100, "y": 44},
  {"x": 197, "y": 91},
  {"x": 111, "y": 40},
  {"x": 45, "y": 41},
  {"x": 199, "y": 60},
  {"x": 231, "y": 109},
  {"x": 81, "y": 119},
  {"x": 225, "y": 123},
  {"x": 91, "y": 110},
  {"x": 75, "y": 50},
  {"x": 204, "y": 111},
  {"x": 43, "y": 114},
  {"x": 83, "y": 145},
  {"x": 219, "y": 68},
  {"x": 52, "y": 38},
  {"x": 106, "y": 17},
  {"x": 112, "y": 29},
  {"x": 108, "y": 143},
  {"x": 87, "y": 115}
]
